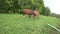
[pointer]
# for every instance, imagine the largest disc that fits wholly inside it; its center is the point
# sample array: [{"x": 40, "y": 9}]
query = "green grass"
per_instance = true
[{"x": 19, "y": 24}]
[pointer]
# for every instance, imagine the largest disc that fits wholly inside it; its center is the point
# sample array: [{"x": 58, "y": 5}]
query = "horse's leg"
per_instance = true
[
  {"x": 37, "y": 16},
  {"x": 29, "y": 16},
  {"x": 32, "y": 16}
]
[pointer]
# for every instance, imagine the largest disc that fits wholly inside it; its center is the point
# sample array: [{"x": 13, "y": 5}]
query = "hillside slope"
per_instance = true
[{"x": 19, "y": 24}]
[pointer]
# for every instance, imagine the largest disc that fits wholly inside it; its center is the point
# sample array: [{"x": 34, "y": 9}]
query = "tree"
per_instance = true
[
  {"x": 47, "y": 11},
  {"x": 3, "y": 6},
  {"x": 55, "y": 15},
  {"x": 16, "y": 6}
]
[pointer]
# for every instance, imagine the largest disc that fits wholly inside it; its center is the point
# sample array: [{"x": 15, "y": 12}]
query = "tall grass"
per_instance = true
[{"x": 20, "y": 24}]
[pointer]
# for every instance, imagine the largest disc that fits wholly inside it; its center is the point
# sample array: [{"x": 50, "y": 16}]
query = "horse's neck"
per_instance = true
[{"x": 34, "y": 13}]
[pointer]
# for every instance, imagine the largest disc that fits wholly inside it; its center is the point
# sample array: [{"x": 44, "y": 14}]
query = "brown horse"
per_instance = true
[
  {"x": 31, "y": 12},
  {"x": 37, "y": 14}
]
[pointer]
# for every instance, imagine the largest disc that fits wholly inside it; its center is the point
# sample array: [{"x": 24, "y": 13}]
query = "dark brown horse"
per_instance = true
[{"x": 31, "y": 12}]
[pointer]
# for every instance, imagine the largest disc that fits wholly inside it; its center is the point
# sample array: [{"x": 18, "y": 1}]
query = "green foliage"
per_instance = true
[
  {"x": 47, "y": 11},
  {"x": 16, "y": 6},
  {"x": 20, "y": 24},
  {"x": 3, "y": 6},
  {"x": 55, "y": 15}
]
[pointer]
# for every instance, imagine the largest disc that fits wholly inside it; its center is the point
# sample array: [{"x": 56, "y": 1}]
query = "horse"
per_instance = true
[
  {"x": 28, "y": 12},
  {"x": 31, "y": 13},
  {"x": 36, "y": 13}
]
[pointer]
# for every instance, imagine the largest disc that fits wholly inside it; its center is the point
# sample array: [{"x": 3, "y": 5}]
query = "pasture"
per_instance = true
[{"x": 19, "y": 24}]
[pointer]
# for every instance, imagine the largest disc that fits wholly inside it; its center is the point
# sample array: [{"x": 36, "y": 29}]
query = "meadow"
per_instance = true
[{"x": 20, "y": 24}]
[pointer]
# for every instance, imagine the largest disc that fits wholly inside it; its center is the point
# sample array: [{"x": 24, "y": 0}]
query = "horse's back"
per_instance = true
[{"x": 28, "y": 11}]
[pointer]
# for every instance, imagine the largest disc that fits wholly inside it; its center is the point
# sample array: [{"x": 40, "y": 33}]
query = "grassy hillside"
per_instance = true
[{"x": 19, "y": 24}]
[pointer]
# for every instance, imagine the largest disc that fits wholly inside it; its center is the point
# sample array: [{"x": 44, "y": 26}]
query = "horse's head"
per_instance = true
[{"x": 36, "y": 14}]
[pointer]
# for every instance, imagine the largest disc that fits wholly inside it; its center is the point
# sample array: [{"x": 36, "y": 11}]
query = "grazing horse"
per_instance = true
[{"x": 31, "y": 12}]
